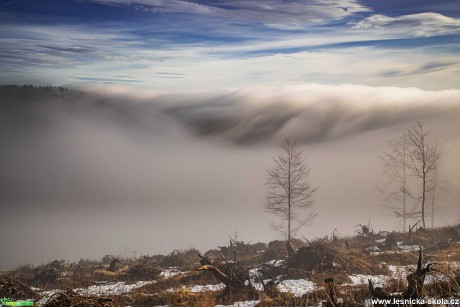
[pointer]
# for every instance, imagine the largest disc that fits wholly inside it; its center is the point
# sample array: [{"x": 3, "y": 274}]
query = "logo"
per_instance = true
[{"x": 9, "y": 302}]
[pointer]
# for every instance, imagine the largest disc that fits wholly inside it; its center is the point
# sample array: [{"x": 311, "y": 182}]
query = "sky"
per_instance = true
[
  {"x": 186, "y": 104},
  {"x": 202, "y": 45}
]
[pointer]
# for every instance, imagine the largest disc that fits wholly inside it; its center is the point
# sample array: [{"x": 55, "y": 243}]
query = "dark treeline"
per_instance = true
[{"x": 27, "y": 93}]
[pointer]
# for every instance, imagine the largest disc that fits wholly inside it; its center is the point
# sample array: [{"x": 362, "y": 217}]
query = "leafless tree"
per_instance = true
[
  {"x": 395, "y": 169},
  {"x": 411, "y": 165},
  {"x": 289, "y": 193},
  {"x": 423, "y": 159}
]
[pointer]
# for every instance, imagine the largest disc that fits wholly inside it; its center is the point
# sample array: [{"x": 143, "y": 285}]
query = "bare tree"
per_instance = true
[
  {"x": 394, "y": 168},
  {"x": 289, "y": 193},
  {"x": 422, "y": 161}
]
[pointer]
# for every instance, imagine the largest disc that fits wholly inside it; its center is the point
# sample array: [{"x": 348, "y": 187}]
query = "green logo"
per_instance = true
[{"x": 9, "y": 302}]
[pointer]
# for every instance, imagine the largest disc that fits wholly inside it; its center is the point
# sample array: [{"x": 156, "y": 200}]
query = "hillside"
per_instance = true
[{"x": 332, "y": 271}]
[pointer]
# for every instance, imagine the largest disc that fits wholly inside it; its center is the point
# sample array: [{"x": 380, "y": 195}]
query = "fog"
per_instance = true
[{"x": 137, "y": 172}]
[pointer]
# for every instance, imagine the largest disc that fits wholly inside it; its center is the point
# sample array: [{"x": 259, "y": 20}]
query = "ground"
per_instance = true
[{"x": 255, "y": 274}]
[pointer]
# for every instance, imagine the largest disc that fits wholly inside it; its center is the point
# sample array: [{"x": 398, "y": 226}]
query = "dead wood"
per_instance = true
[
  {"x": 146, "y": 268},
  {"x": 411, "y": 228},
  {"x": 312, "y": 257},
  {"x": 364, "y": 230},
  {"x": 417, "y": 278},
  {"x": 289, "y": 248},
  {"x": 391, "y": 241},
  {"x": 15, "y": 289},
  {"x": 236, "y": 283},
  {"x": 113, "y": 264},
  {"x": 46, "y": 277},
  {"x": 378, "y": 292},
  {"x": 330, "y": 291},
  {"x": 70, "y": 298},
  {"x": 415, "y": 287},
  {"x": 217, "y": 273},
  {"x": 269, "y": 287}
]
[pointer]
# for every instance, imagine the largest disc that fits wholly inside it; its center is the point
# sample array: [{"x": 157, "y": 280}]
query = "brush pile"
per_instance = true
[
  {"x": 14, "y": 289},
  {"x": 312, "y": 257},
  {"x": 70, "y": 298},
  {"x": 144, "y": 269},
  {"x": 233, "y": 276}
]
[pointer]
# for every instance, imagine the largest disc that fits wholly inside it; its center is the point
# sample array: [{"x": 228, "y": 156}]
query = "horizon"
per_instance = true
[{"x": 194, "y": 100}]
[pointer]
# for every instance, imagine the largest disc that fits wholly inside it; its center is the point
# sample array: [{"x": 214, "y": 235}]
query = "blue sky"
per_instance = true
[{"x": 226, "y": 44}]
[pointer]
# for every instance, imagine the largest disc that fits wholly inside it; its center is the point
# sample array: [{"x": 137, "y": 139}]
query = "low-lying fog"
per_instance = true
[{"x": 134, "y": 173}]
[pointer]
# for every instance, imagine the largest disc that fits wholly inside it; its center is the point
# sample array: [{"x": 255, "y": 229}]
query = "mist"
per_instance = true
[{"x": 87, "y": 173}]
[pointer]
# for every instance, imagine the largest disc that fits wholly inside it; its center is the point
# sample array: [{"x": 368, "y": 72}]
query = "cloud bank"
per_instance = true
[
  {"x": 116, "y": 170},
  {"x": 310, "y": 113}
]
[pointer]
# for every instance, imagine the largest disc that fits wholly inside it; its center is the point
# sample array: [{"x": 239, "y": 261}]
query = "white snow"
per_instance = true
[
  {"x": 201, "y": 288},
  {"x": 407, "y": 247},
  {"x": 377, "y": 280},
  {"x": 400, "y": 271},
  {"x": 254, "y": 273},
  {"x": 241, "y": 304},
  {"x": 46, "y": 296},
  {"x": 297, "y": 287},
  {"x": 117, "y": 288},
  {"x": 372, "y": 249},
  {"x": 170, "y": 272},
  {"x": 275, "y": 263}
]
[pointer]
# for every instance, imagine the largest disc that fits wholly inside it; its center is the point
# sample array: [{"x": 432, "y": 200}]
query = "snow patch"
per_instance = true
[
  {"x": 241, "y": 304},
  {"x": 377, "y": 280},
  {"x": 117, "y": 288},
  {"x": 276, "y": 263},
  {"x": 400, "y": 271},
  {"x": 297, "y": 287},
  {"x": 407, "y": 247},
  {"x": 170, "y": 272},
  {"x": 372, "y": 249},
  {"x": 201, "y": 288}
]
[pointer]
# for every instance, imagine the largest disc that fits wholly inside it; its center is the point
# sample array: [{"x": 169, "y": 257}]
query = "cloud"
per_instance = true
[
  {"x": 280, "y": 15},
  {"x": 165, "y": 6},
  {"x": 61, "y": 54},
  {"x": 422, "y": 24},
  {"x": 310, "y": 113},
  {"x": 158, "y": 52},
  {"x": 62, "y": 47}
]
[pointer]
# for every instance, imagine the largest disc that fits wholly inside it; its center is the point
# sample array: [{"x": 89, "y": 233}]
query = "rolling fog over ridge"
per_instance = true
[{"x": 84, "y": 175}]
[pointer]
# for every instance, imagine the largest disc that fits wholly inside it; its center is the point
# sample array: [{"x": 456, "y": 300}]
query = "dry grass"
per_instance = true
[
  {"x": 174, "y": 298},
  {"x": 349, "y": 257}
]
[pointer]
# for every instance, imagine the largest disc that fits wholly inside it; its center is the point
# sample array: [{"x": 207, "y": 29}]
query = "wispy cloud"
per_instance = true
[
  {"x": 165, "y": 6},
  {"x": 229, "y": 44},
  {"x": 280, "y": 15},
  {"x": 423, "y": 24}
]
